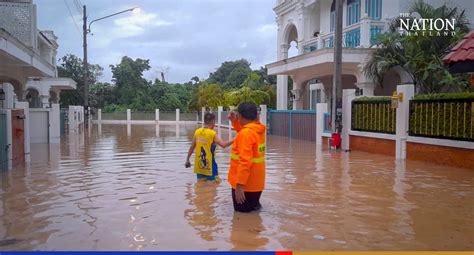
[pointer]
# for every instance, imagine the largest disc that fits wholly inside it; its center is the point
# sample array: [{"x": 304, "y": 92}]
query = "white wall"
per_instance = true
[{"x": 39, "y": 131}]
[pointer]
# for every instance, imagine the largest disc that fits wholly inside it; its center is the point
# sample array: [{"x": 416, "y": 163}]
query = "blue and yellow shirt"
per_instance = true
[{"x": 204, "y": 162}]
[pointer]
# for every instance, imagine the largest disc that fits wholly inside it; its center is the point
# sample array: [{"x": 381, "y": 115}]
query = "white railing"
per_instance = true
[{"x": 361, "y": 34}]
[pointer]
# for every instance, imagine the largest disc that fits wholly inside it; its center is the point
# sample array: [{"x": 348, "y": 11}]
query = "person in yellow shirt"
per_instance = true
[
  {"x": 204, "y": 141},
  {"x": 247, "y": 163}
]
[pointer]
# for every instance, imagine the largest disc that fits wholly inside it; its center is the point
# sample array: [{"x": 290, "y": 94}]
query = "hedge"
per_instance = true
[{"x": 373, "y": 115}]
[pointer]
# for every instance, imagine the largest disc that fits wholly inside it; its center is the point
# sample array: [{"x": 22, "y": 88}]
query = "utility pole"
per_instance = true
[
  {"x": 337, "y": 78},
  {"x": 85, "y": 73}
]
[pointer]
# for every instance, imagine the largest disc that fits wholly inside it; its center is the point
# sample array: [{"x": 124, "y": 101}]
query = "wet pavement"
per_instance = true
[{"x": 122, "y": 188}]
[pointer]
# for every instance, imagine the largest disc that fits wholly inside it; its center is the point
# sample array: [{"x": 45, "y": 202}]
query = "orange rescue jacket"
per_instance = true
[{"x": 247, "y": 163}]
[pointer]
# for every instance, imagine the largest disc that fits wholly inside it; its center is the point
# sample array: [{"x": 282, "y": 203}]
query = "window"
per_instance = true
[
  {"x": 333, "y": 16},
  {"x": 333, "y": 21},
  {"x": 373, "y": 8},
  {"x": 353, "y": 12}
]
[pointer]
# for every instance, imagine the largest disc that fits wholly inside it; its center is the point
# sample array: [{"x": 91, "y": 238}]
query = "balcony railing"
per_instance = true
[
  {"x": 352, "y": 37},
  {"x": 18, "y": 19}
]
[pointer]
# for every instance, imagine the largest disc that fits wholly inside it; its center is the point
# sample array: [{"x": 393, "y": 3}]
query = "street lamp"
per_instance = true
[{"x": 85, "y": 30}]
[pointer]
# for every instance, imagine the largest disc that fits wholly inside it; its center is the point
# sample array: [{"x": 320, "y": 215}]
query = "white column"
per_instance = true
[
  {"x": 177, "y": 116},
  {"x": 203, "y": 111},
  {"x": 282, "y": 92},
  {"x": 99, "y": 115},
  {"x": 220, "y": 109},
  {"x": 347, "y": 96},
  {"x": 44, "y": 101},
  {"x": 263, "y": 114},
  {"x": 54, "y": 123},
  {"x": 26, "y": 112},
  {"x": 157, "y": 115},
  {"x": 365, "y": 30},
  {"x": 129, "y": 115},
  {"x": 367, "y": 88},
  {"x": 297, "y": 93},
  {"x": 321, "y": 109},
  {"x": 403, "y": 117}
]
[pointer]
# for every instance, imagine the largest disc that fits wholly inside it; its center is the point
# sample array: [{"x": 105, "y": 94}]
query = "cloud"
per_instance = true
[
  {"x": 138, "y": 23},
  {"x": 192, "y": 37}
]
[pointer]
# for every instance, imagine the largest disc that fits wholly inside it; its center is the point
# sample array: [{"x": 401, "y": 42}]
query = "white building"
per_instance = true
[
  {"x": 28, "y": 78},
  {"x": 309, "y": 25}
]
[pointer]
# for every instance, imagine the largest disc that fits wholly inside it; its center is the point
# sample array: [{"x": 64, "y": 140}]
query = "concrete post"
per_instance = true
[
  {"x": 263, "y": 114},
  {"x": 203, "y": 111},
  {"x": 157, "y": 115},
  {"x": 54, "y": 124},
  {"x": 365, "y": 31},
  {"x": 347, "y": 96},
  {"x": 26, "y": 111},
  {"x": 129, "y": 115},
  {"x": 321, "y": 109},
  {"x": 219, "y": 116},
  {"x": 282, "y": 92},
  {"x": 99, "y": 115},
  {"x": 367, "y": 88},
  {"x": 177, "y": 116},
  {"x": 403, "y": 117}
]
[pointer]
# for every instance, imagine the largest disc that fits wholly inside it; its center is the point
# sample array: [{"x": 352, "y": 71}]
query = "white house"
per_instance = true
[
  {"x": 309, "y": 25},
  {"x": 28, "y": 77}
]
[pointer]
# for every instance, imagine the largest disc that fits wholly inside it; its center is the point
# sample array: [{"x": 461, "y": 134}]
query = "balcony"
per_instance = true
[
  {"x": 359, "y": 35},
  {"x": 18, "y": 26}
]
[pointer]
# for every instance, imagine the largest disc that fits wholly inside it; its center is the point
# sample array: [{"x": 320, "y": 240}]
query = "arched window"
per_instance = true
[
  {"x": 353, "y": 12},
  {"x": 374, "y": 8},
  {"x": 332, "y": 21}
]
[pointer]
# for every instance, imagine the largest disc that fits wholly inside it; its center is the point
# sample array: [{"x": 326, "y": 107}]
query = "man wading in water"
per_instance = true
[{"x": 247, "y": 163}]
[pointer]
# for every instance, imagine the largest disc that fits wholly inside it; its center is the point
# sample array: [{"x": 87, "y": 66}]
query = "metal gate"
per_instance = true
[{"x": 3, "y": 142}]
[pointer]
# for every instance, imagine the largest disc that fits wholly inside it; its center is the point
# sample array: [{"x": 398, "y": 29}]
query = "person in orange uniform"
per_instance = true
[{"x": 247, "y": 163}]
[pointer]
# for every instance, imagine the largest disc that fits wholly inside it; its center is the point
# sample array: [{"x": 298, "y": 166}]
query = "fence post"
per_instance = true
[
  {"x": 291, "y": 125},
  {"x": 177, "y": 116},
  {"x": 347, "y": 96},
  {"x": 321, "y": 109},
  {"x": 157, "y": 116},
  {"x": 219, "y": 116},
  {"x": 129, "y": 115},
  {"x": 203, "y": 111},
  {"x": 263, "y": 114},
  {"x": 402, "y": 120},
  {"x": 99, "y": 115}
]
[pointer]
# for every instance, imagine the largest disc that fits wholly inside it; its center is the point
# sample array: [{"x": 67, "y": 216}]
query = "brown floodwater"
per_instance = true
[{"x": 119, "y": 188}]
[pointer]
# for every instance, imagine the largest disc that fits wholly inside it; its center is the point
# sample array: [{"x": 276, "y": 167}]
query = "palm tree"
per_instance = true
[
  {"x": 420, "y": 56},
  {"x": 246, "y": 94}
]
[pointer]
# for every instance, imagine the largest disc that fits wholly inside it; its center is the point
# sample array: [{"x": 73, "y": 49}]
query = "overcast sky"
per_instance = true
[{"x": 191, "y": 37}]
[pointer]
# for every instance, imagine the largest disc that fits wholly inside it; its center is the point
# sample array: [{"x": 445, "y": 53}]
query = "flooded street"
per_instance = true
[{"x": 119, "y": 189}]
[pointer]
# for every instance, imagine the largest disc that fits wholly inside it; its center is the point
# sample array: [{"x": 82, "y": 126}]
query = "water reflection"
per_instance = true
[
  {"x": 203, "y": 200},
  {"x": 245, "y": 233},
  {"x": 125, "y": 188}
]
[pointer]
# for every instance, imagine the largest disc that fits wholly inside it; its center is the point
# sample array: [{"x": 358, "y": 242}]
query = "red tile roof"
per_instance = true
[{"x": 463, "y": 51}]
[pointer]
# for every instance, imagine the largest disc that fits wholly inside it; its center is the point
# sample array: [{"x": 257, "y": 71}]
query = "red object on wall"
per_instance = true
[
  {"x": 18, "y": 139},
  {"x": 336, "y": 140}
]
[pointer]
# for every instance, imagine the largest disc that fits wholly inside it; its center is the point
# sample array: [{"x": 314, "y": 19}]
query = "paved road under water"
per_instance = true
[{"x": 118, "y": 190}]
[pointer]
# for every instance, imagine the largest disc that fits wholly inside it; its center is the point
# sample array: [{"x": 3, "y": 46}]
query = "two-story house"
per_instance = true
[
  {"x": 28, "y": 79},
  {"x": 310, "y": 24}
]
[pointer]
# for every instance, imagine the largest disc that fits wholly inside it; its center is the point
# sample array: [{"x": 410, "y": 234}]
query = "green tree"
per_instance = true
[
  {"x": 246, "y": 94},
  {"x": 210, "y": 95},
  {"x": 72, "y": 67},
  {"x": 231, "y": 74},
  {"x": 101, "y": 94},
  {"x": 420, "y": 56},
  {"x": 130, "y": 85}
]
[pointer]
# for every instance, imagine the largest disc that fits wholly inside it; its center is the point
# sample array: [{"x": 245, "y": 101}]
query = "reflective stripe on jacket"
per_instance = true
[{"x": 247, "y": 163}]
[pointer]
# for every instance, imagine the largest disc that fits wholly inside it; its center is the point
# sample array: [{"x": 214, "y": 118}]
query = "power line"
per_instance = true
[
  {"x": 72, "y": 17},
  {"x": 78, "y": 6}
]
